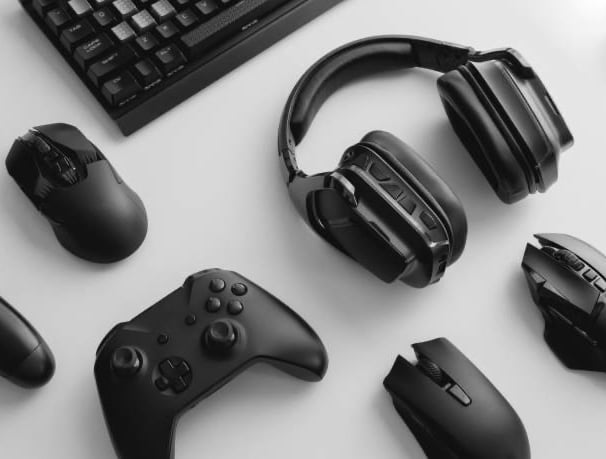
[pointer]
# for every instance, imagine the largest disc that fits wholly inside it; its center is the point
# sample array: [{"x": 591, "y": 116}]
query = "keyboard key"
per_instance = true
[
  {"x": 226, "y": 24},
  {"x": 143, "y": 20},
  {"x": 123, "y": 32},
  {"x": 92, "y": 50},
  {"x": 125, "y": 8},
  {"x": 80, "y": 7},
  {"x": 147, "y": 42},
  {"x": 121, "y": 89},
  {"x": 186, "y": 18},
  {"x": 170, "y": 59},
  {"x": 167, "y": 30},
  {"x": 207, "y": 7},
  {"x": 163, "y": 10},
  {"x": 43, "y": 6},
  {"x": 147, "y": 73},
  {"x": 75, "y": 34},
  {"x": 104, "y": 17},
  {"x": 100, "y": 71},
  {"x": 56, "y": 19}
]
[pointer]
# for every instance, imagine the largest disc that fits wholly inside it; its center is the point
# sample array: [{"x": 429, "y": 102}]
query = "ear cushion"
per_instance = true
[
  {"x": 406, "y": 161},
  {"x": 484, "y": 133}
]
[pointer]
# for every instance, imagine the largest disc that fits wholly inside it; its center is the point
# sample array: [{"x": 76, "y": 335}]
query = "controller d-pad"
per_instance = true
[{"x": 175, "y": 374}]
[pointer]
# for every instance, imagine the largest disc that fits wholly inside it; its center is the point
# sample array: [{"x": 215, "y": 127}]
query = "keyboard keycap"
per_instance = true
[
  {"x": 186, "y": 18},
  {"x": 43, "y": 6},
  {"x": 207, "y": 7},
  {"x": 167, "y": 30},
  {"x": 75, "y": 34},
  {"x": 123, "y": 32},
  {"x": 147, "y": 42},
  {"x": 101, "y": 70},
  {"x": 80, "y": 7},
  {"x": 56, "y": 19},
  {"x": 163, "y": 10},
  {"x": 226, "y": 24},
  {"x": 147, "y": 73},
  {"x": 104, "y": 17},
  {"x": 125, "y": 8},
  {"x": 121, "y": 89},
  {"x": 92, "y": 50},
  {"x": 170, "y": 59},
  {"x": 143, "y": 20}
]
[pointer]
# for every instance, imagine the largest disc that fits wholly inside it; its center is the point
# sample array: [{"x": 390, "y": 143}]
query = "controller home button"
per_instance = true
[{"x": 126, "y": 361}]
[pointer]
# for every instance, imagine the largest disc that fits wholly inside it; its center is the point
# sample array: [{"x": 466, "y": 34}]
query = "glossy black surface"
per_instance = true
[
  {"x": 567, "y": 281},
  {"x": 452, "y": 408},
  {"x": 383, "y": 206},
  {"x": 93, "y": 212},
  {"x": 145, "y": 384},
  {"x": 25, "y": 358}
]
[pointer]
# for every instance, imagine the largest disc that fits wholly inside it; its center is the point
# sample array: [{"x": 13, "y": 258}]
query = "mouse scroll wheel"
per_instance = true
[
  {"x": 569, "y": 258},
  {"x": 432, "y": 370}
]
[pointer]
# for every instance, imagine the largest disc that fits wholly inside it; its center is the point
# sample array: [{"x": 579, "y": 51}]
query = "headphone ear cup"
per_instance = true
[
  {"x": 407, "y": 162},
  {"x": 486, "y": 127}
]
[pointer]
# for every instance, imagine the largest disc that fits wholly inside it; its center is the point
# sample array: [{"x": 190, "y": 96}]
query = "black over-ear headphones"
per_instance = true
[{"x": 384, "y": 206}]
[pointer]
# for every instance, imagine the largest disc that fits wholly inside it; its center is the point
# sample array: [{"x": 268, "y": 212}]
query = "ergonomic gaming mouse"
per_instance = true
[
  {"x": 567, "y": 280},
  {"x": 25, "y": 358},
  {"x": 93, "y": 212},
  {"x": 452, "y": 409}
]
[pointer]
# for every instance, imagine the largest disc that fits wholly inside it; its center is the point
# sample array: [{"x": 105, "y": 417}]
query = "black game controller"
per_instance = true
[{"x": 153, "y": 368}]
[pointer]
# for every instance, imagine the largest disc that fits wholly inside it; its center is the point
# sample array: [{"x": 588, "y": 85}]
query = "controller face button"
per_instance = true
[
  {"x": 600, "y": 285},
  {"x": 239, "y": 289},
  {"x": 217, "y": 285},
  {"x": 175, "y": 374},
  {"x": 220, "y": 336},
  {"x": 235, "y": 307},
  {"x": 126, "y": 361},
  {"x": 191, "y": 319},
  {"x": 162, "y": 338},
  {"x": 590, "y": 275},
  {"x": 213, "y": 304},
  {"x": 428, "y": 221}
]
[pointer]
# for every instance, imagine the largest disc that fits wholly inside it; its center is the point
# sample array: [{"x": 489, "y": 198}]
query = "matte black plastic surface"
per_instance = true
[
  {"x": 213, "y": 326},
  {"x": 508, "y": 123},
  {"x": 25, "y": 358},
  {"x": 567, "y": 281},
  {"x": 206, "y": 68},
  {"x": 465, "y": 417},
  {"x": 98, "y": 218}
]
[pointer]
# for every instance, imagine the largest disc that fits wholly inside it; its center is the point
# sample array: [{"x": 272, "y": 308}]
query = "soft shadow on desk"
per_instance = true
[
  {"x": 56, "y": 72},
  {"x": 91, "y": 426},
  {"x": 13, "y": 397},
  {"x": 394, "y": 423}
]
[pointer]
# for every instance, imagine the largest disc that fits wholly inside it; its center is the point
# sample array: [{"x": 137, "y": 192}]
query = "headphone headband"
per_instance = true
[
  {"x": 352, "y": 61},
  {"x": 366, "y": 57}
]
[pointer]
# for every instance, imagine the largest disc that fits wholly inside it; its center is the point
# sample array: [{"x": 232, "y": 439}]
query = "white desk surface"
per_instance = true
[{"x": 208, "y": 173}]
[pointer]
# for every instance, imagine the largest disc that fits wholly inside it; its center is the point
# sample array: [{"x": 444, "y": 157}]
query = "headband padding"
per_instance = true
[
  {"x": 406, "y": 161},
  {"x": 484, "y": 134},
  {"x": 337, "y": 70}
]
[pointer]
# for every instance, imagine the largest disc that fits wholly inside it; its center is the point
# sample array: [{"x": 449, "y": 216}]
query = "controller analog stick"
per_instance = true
[
  {"x": 220, "y": 336},
  {"x": 126, "y": 361}
]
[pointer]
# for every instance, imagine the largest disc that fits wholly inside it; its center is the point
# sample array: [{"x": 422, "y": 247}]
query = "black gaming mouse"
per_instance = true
[
  {"x": 94, "y": 214},
  {"x": 567, "y": 280},
  {"x": 452, "y": 409}
]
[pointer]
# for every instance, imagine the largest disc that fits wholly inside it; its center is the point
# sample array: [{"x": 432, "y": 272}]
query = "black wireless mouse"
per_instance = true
[
  {"x": 567, "y": 280},
  {"x": 452, "y": 408},
  {"x": 25, "y": 358},
  {"x": 93, "y": 212}
]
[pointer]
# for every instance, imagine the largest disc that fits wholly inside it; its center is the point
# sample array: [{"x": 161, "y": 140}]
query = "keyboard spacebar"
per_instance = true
[{"x": 227, "y": 24}]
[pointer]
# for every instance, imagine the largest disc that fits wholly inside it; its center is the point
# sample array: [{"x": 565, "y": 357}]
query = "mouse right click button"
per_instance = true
[{"x": 459, "y": 394}]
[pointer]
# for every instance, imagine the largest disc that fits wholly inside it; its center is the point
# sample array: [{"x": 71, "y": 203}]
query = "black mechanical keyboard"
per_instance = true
[{"x": 140, "y": 58}]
